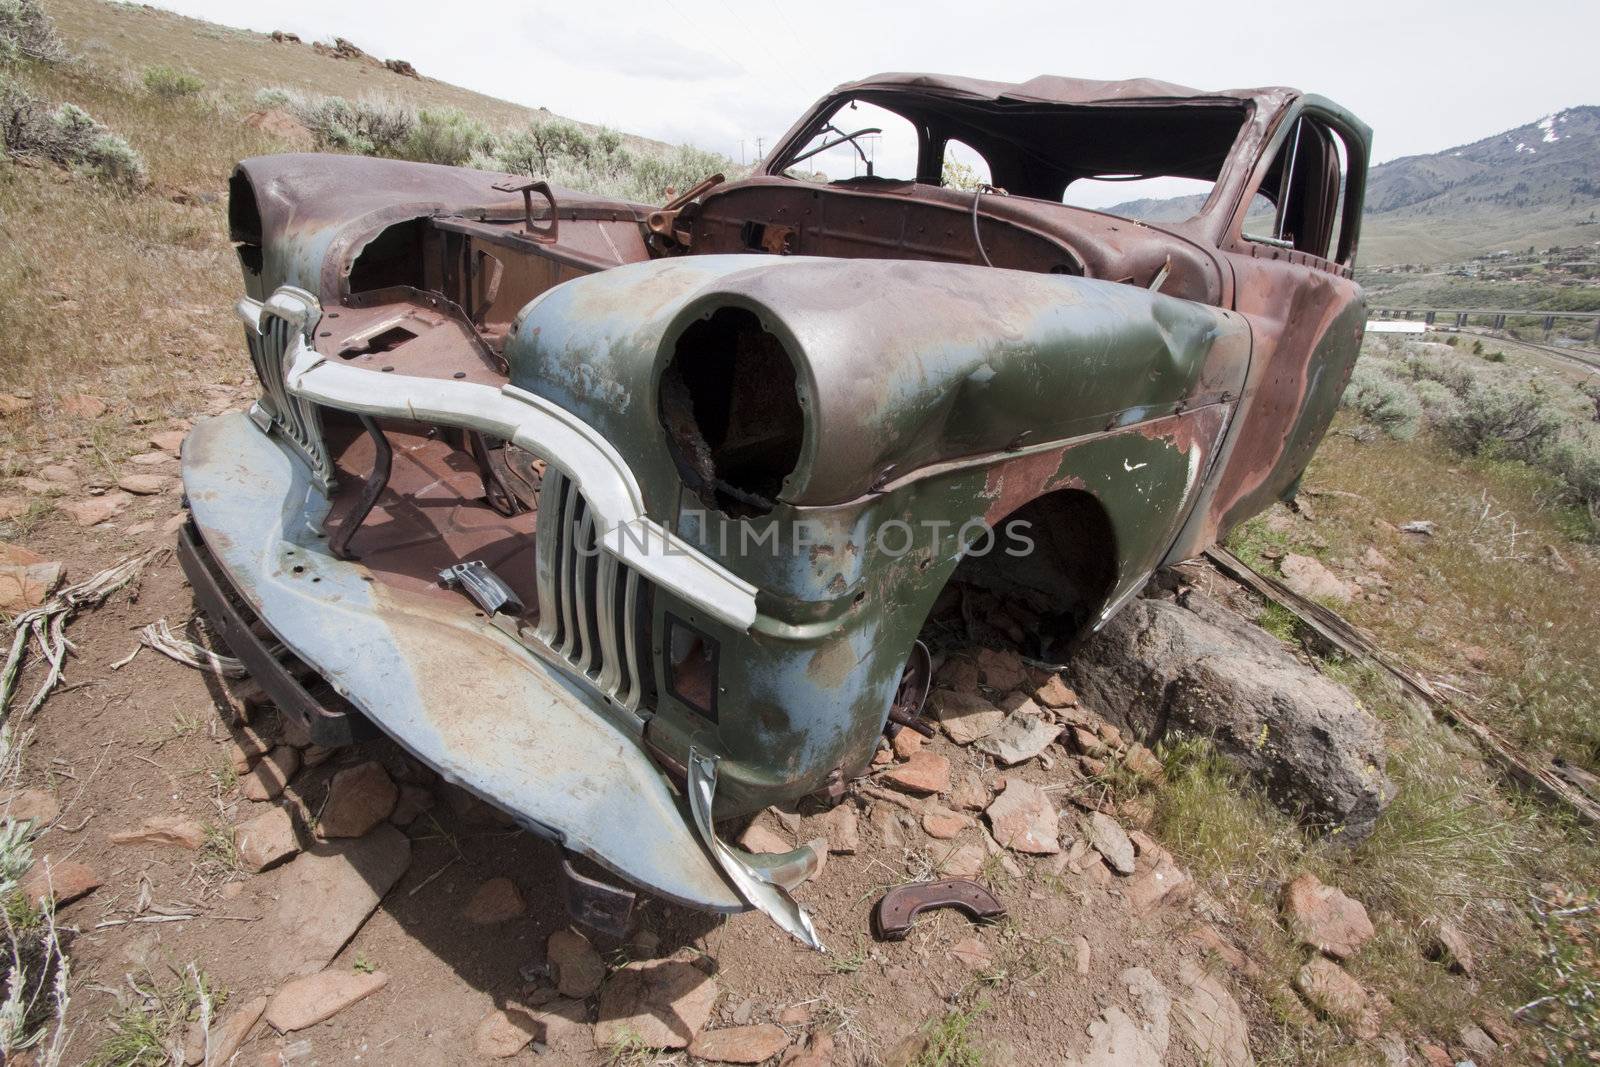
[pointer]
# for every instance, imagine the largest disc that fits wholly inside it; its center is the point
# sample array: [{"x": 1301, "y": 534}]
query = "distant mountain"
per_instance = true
[{"x": 1536, "y": 185}]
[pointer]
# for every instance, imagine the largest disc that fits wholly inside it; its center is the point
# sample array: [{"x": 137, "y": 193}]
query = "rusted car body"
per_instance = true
[{"x": 587, "y": 503}]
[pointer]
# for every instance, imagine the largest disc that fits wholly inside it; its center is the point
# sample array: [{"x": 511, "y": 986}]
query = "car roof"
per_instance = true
[{"x": 1055, "y": 89}]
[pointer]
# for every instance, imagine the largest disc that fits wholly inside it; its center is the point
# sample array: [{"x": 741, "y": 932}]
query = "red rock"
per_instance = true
[
  {"x": 27, "y": 585},
  {"x": 1023, "y": 819},
  {"x": 247, "y": 747},
  {"x": 1331, "y": 990},
  {"x": 1055, "y": 693},
  {"x": 906, "y": 743},
  {"x": 965, "y": 716},
  {"x": 164, "y": 830},
  {"x": 496, "y": 901},
  {"x": 231, "y": 1032},
  {"x": 91, "y": 511},
  {"x": 970, "y": 793},
  {"x": 151, "y": 459},
  {"x": 926, "y": 772},
  {"x": 1087, "y": 742},
  {"x": 168, "y": 440},
  {"x": 972, "y": 954},
  {"x": 958, "y": 673},
  {"x": 1001, "y": 670},
  {"x": 1309, "y": 578},
  {"x": 1436, "y": 1056},
  {"x": 1324, "y": 918},
  {"x": 62, "y": 881},
  {"x": 740, "y": 1044},
  {"x": 359, "y": 798},
  {"x": 414, "y": 800},
  {"x": 760, "y": 838},
  {"x": 1110, "y": 840},
  {"x": 817, "y": 1052},
  {"x": 1450, "y": 947},
  {"x": 83, "y": 406},
  {"x": 1157, "y": 880},
  {"x": 59, "y": 473},
  {"x": 307, "y": 1001},
  {"x": 965, "y": 860},
  {"x": 504, "y": 1033},
  {"x": 38, "y": 806},
  {"x": 143, "y": 484},
  {"x": 944, "y": 824},
  {"x": 842, "y": 827},
  {"x": 574, "y": 963},
  {"x": 270, "y": 775},
  {"x": 268, "y": 839},
  {"x": 881, "y": 757},
  {"x": 1142, "y": 762},
  {"x": 661, "y": 1004}
]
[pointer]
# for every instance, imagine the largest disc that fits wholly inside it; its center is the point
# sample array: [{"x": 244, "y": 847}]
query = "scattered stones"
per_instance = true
[
  {"x": 170, "y": 441},
  {"x": 1157, "y": 880},
  {"x": 495, "y": 901},
  {"x": 926, "y": 772},
  {"x": 267, "y": 779},
  {"x": 1020, "y": 737},
  {"x": 1110, "y": 840},
  {"x": 164, "y": 830},
  {"x": 1055, "y": 693},
  {"x": 740, "y": 1044},
  {"x": 307, "y": 1001},
  {"x": 1001, "y": 669},
  {"x": 661, "y": 1004},
  {"x": 1143, "y": 763},
  {"x": 414, "y": 800},
  {"x": 906, "y": 743},
  {"x": 842, "y": 827},
  {"x": 1208, "y": 1019},
  {"x": 1331, "y": 990},
  {"x": 231, "y": 1032},
  {"x": 1120, "y": 1039},
  {"x": 970, "y": 793},
  {"x": 1309, "y": 578},
  {"x": 151, "y": 459},
  {"x": 961, "y": 861},
  {"x": 1324, "y": 918},
  {"x": 504, "y": 1033},
  {"x": 566, "y": 1028},
  {"x": 83, "y": 406},
  {"x": 63, "y": 881},
  {"x": 27, "y": 585},
  {"x": 1450, "y": 947},
  {"x": 59, "y": 473},
  {"x": 38, "y": 806},
  {"x": 1476, "y": 1041},
  {"x": 958, "y": 673},
  {"x": 316, "y": 902},
  {"x": 1023, "y": 818},
  {"x": 143, "y": 484},
  {"x": 576, "y": 966},
  {"x": 359, "y": 798},
  {"x": 248, "y": 746},
  {"x": 972, "y": 954},
  {"x": 267, "y": 840},
  {"x": 965, "y": 716},
  {"x": 761, "y": 838},
  {"x": 1201, "y": 669},
  {"x": 1088, "y": 743},
  {"x": 1212, "y": 939},
  {"x": 817, "y": 1052},
  {"x": 92, "y": 511},
  {"x": 944, "y": 824}
]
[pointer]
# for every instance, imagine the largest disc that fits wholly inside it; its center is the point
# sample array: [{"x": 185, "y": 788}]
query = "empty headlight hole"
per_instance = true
[{"x": 730, "y": 404}]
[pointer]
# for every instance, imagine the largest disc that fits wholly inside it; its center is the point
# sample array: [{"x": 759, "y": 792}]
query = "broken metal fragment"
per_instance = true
[{"x": 899, "y": 907}]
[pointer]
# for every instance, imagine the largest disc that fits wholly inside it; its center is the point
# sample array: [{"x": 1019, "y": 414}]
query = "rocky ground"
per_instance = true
[{"x": 344, "y": 905}]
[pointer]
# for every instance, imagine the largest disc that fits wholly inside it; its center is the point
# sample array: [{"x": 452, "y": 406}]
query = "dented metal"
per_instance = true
[{"x": 710, "y": 414}]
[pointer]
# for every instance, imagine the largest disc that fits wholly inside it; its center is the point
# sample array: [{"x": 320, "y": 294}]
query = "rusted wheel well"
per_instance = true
[{"x": 1040, "y": 599}]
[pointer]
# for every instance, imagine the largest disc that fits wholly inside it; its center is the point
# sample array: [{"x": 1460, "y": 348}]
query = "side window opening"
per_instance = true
[
  {"x": 1306, "y": 188},
  {"x": 964, "y": 167},
  {"x": 859, "y": 140}
]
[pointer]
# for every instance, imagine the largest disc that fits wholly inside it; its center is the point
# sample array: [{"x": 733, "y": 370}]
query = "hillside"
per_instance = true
[
  {"x": 1535, "y": 185},
  {"x": 237, "y": 63}
]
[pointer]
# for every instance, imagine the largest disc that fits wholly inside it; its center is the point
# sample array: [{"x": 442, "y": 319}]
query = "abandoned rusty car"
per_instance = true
[{"x": 627, "y": 518}]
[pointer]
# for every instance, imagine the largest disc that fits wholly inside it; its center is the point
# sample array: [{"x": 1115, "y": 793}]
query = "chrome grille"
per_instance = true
[
  {"x": 589, "y": 601},
  {"x": 276, "y": 331}
]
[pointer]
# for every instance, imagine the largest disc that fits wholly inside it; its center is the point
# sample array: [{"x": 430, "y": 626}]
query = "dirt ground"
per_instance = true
[{"x": 117, "y": 745}]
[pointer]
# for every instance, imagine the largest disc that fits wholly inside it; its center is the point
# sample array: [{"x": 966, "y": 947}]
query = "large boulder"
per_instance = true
[{"x": 1190, "y": 665}]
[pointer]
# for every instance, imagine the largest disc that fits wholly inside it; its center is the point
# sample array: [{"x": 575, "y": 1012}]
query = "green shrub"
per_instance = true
[
  {"x": 1503, "y": 419},
  {"x": 447, "y": 136},
  {"x": 1575, "y": 459},
  {"x": 1438, "y": 363},
  {"x": 367, "y": 127},
  {"x": 171, "y": 83},
  {"x": 66, "y": 135},
  {"x": 1384, "y": 402},
  {"x": 1495, "y": 357},
  {"x": 279, "y": 99},
  {"x": 27, "y": 32},
  {"x": 1477, "y": 348},
  {"x": 1438, "y": 401}
]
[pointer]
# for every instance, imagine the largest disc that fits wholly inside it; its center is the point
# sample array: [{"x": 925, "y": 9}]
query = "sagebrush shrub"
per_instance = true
[
  {"x": 1439, "y": 363},
  {"x": 447, "y": 136},
  {"x": 366, "y": 127},
  {"x": 1575, "y": 458},
  {"x": 27, "y": 32},
  {"x": 67, "y": 135},
  {"x": 1505, "y": 419},
  {"x": 171, "y": 82},
  {"x": 1384, "y": 402}
]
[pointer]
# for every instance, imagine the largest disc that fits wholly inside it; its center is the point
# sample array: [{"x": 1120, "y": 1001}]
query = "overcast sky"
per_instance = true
[{"x": 1425, "y": 74}]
